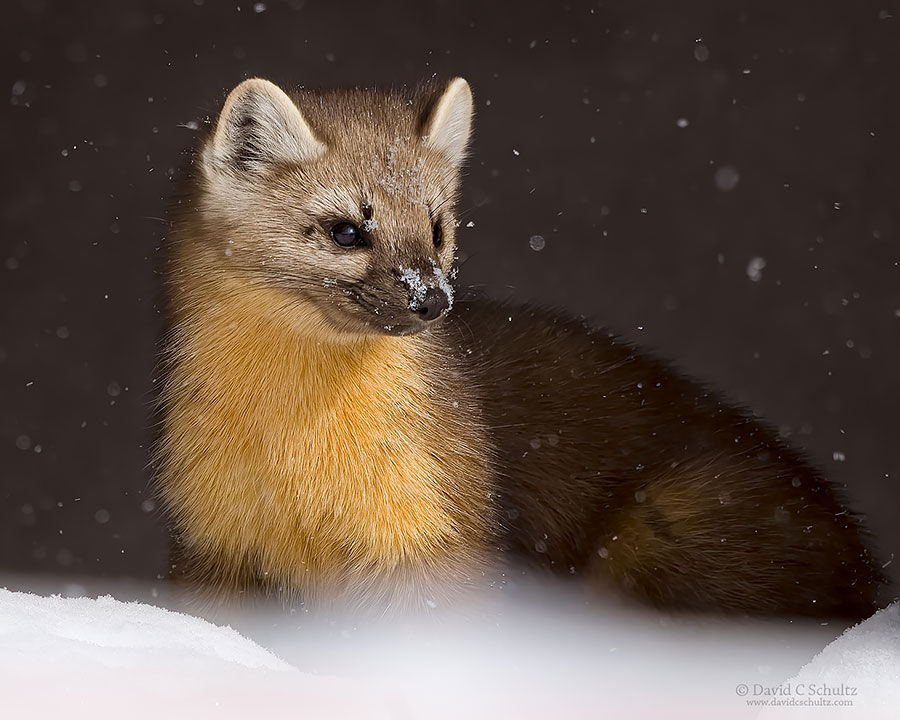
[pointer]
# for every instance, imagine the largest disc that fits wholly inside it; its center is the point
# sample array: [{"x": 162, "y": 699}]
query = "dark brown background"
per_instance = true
[{"x": 578, "y": 140}]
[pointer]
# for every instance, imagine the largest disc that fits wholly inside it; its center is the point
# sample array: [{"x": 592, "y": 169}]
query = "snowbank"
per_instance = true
[
  {"x": 57, "y": 632},
  {"x": 858, "y": 675},
  {"x": 103, "y": 658},
  {"x": 78, "y": 657}
]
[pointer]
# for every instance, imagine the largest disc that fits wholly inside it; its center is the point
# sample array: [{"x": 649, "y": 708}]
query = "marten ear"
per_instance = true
[
  {"x": 449, "y": 124},
  {"x": 260, "y": 125}
]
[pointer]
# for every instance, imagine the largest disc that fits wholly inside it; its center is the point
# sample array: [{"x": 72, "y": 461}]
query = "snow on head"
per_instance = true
[
  {"x": 443, "y": 284},
  {"x": 400, "y": 171},
  {"x": 417, "y": 287}
]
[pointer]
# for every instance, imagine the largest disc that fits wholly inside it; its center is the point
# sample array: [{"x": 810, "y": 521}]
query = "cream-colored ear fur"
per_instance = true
[
  {"x": 450, "y": 124},
  {"x": 258, "y": 126}
]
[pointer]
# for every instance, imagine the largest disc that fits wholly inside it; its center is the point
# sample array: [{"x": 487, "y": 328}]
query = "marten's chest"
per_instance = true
[{"x": 311, "y": 466}]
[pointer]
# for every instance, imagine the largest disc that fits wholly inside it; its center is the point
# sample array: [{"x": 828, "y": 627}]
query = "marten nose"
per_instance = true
[{"x": 433, "y": 304}]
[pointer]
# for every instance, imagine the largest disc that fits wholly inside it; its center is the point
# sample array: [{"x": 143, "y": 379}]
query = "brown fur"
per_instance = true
[
  {"x": 319, "y": 440},
  {"x": 615, "y": 467}
]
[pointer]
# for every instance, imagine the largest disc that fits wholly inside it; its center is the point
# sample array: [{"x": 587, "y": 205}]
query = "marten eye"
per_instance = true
[
  {"x": 437, "y": 235},
  {"x": 346, "y": 234}
]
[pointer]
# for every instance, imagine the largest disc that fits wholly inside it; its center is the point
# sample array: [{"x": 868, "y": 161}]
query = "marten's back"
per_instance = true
[{"x": 615, "y": 467}]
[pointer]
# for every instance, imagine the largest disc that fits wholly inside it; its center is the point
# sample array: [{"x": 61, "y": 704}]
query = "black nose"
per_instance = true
[{"x": 433, "y": 304}]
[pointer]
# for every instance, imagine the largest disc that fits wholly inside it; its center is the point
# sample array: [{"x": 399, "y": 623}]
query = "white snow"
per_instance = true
[
  {"x": 400, "y": 170},
  {"x": 532, "y": 656},
  {"x": 416, "y": 285},
  {"x": 101, "y": 658},
  {"x": 726, "y": 178},
  {"x": 54, "y": 630},
  {"x": 861, "y": 667},
  {"x": 419, "y": 286},
  {"x": 755, "y": 268},
  {"x": 443, "y": 284}
]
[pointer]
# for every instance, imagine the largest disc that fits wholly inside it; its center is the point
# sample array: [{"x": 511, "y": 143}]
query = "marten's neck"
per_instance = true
[
  {"x": 260, "y": 344},
  {"x": 330, "y": 464}
]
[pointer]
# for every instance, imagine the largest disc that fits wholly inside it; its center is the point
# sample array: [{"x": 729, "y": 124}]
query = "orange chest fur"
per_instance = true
[{"x": 307, "y": 460}]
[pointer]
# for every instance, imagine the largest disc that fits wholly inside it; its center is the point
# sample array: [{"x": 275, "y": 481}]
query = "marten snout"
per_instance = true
[
  {"x": 430, "y": 292},
  {"x": 432, "y": 304}
]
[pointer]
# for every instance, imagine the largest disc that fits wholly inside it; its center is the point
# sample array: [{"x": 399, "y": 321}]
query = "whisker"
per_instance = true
[{"x": 463, "y": 213}]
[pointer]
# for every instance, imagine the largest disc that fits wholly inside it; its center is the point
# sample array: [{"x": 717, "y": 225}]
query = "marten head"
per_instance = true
[{"x": 343, "y": 201}]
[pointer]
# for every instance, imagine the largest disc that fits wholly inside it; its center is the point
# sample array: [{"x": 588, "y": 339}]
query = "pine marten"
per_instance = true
[{"x": 336, "y": 424}]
